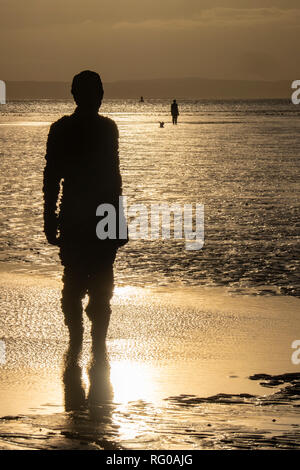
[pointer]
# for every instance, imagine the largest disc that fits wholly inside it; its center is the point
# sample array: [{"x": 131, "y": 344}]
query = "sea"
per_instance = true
[{"x": 239, "y": 159}]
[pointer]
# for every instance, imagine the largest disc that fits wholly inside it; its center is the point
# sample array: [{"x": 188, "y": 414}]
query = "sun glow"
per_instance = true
[{"x": 131, "y": 381}]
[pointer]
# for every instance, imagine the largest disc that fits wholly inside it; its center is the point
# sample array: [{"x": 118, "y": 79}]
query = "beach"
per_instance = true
[
  {"x": 150, "y": 230},
  {"x": 180, "y": 368},
  {"x": 200, "y": 342}
]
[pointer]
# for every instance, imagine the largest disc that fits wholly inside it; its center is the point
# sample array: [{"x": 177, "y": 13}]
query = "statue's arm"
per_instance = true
[{"x": 51, "y": 184}]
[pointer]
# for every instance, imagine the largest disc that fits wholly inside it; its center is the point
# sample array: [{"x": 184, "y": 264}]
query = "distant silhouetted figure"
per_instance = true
[
  {"x": 142, "y": 99},
  {"x": 82, "y": 153},
  {"x": 174, "y": 111},
  {"x": 161, "y": 124}
]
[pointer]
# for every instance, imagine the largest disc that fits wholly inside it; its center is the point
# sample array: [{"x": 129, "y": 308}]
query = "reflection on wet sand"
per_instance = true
[
  {"x": 177, "y": 377},
  {"x": 100, "y": 388},
  {"x": 89, "y": 416},
  {"x": 97, "y": 421}
]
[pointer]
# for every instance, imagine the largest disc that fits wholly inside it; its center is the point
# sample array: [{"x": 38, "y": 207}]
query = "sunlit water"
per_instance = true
[
  {"x": 169, "y": 350},
  {"x": 239, "y": 159}
]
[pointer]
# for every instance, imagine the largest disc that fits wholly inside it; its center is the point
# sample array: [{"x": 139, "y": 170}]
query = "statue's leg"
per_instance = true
[
  {"x": 74, "y": 289},
  {"x": 100, "y": 290}
]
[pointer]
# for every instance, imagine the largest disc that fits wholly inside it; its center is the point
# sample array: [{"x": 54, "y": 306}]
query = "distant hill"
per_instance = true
[{"x": 193, "y": 88}]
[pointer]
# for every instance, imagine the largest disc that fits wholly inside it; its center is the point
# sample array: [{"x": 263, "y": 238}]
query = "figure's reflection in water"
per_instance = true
[
  {"x": 100, "y": 391},
  {"x": 90, "y": 415},
  {"x": 73, "y": 389}
]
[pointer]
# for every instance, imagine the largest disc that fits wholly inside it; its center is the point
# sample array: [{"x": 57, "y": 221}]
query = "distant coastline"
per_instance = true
[{"x": 182, "y": 88}]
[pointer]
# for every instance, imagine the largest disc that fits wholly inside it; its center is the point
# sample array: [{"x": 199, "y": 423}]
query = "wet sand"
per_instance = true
[{"x": 185, "y": 371}]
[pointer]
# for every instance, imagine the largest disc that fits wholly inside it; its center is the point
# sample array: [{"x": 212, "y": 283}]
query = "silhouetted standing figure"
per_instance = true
[
  {"x": 174, "y": 111},
  {"x": 82, "y": 154}
]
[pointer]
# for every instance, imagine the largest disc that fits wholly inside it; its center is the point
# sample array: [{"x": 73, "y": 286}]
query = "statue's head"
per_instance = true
[{"x": 87, "y": 90}]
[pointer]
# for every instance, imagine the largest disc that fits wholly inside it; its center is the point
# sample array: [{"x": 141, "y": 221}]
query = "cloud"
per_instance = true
[
  {"x": 251, "y": 15},
  {"x": 17, "y": 14},
  {"x": 209, "y": 42},
  {"x": 218, "y": 17}
]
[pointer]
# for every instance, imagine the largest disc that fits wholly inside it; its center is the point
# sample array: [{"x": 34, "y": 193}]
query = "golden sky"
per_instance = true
[{"x": 139, "y": 39}]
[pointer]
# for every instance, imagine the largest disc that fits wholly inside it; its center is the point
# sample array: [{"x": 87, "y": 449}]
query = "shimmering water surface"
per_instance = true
[
  {"x": 239, "y": 159},
  {"x": 182, "y": 341}
]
